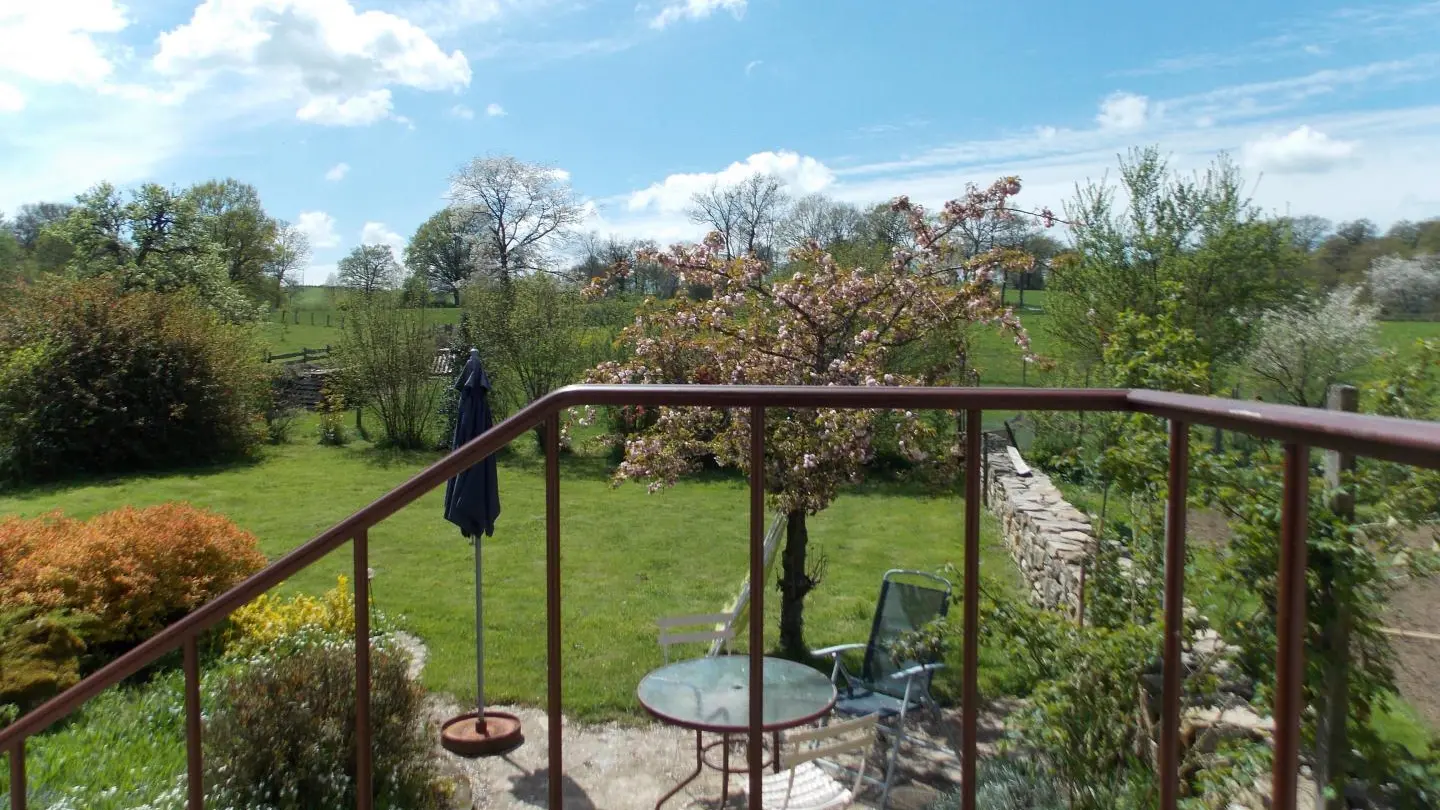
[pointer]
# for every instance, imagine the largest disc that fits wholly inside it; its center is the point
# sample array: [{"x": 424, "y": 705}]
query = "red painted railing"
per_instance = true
[{"x": 1401, "y": 440}]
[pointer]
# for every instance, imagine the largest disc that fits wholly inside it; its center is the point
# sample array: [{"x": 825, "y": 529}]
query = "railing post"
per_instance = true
[
  {"x": 17, "y": 776},
  {"x": 556, "y": 759},
  {"x": 195, "y": 775},
  {"x": 1174, "y": 614},
  {"x": 757, "y": 605},
  {"x": 1290, "y": 625},
  {"x": 753, "y": 753},
  {"x": 969, "y": 689},
  {"x": 364, "y": 792}
]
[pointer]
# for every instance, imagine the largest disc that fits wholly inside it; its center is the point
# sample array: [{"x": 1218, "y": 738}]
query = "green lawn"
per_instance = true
[
  {"x": 628, "y": 557},
  {"x": 319, "y": 326}
]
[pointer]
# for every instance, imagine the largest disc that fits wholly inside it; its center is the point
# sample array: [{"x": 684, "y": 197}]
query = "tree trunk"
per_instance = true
[
  {"x": 456, "y": 293},
  {"x": 795, "y": 583}
]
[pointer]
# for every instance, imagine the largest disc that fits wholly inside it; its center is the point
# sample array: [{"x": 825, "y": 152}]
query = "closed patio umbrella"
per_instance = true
[{"x": 472, "y": 502}]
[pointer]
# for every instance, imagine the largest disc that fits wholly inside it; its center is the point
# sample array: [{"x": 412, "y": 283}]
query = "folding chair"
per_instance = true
[
  {"x": 885, "y": 687},
  {"x": 716, "y": 624},
  {"x": 802, "y": 783}
]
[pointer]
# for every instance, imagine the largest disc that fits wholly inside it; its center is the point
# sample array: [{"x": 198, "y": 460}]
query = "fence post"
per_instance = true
[
  {"x": 327, "y": 319},
  {"x": 304, "y": 355},
  {"x": 312, "y": 317},
  {"x": 1331, "y": 741},
  {"x": 297, "y": 318}
]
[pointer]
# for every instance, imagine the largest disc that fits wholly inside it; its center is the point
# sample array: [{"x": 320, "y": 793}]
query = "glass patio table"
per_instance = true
[{"x": 712, "y": 694}]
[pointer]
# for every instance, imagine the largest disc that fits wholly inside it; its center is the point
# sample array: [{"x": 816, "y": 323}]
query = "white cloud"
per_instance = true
[
  {"x": 461, "y": 111},
  {"x": 337, "y": 172},
  {"x": 378, "y": 233},
  {"x": 11, "y": 99},
  {"x": 495, "y": 110},
  {"x": 800, "y": 174},
  {"x": 751, "y": 65},
  {"x": 366, "y": 108},
  {"x": 336, "y": 63},
  {"x": 319, "y": 228},
  {"x": 1301, "y": 150},
  {"x": 695, "y": 10},
  {"x": 55, "y": 43},
  {"x": 1123, "y": 111}
]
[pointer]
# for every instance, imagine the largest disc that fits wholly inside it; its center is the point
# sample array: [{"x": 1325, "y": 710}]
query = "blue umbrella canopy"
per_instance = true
[{"x": 472, "y": 498}]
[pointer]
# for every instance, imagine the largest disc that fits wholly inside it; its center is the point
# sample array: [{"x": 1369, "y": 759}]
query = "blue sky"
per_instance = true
[{"x": 349, "y": 115}]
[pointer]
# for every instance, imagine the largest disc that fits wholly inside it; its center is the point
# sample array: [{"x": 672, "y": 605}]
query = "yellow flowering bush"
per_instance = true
[{"x": 270, "y": 618}]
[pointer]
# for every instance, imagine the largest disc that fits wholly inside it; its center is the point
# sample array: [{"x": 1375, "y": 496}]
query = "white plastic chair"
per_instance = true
[
  {"x": 713, "y": 622},
  {"x": 803, "y": 784}
]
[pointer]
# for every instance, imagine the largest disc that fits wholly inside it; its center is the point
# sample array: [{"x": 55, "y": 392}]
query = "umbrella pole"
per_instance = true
[{"x": 479, "y": 645}]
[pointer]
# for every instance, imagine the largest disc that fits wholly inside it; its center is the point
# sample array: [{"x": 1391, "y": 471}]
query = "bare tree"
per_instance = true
[
  {"x": 524, "y": 206},
  {"x": 369, "y": 269},
  {"x": 818, "y": 218},
  {"x": 288, "y": 256},
  {"x": 746, "y": 215}
]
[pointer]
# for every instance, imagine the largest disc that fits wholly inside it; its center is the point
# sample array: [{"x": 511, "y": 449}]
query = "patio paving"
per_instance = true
[{"x": 614, "y": 767}]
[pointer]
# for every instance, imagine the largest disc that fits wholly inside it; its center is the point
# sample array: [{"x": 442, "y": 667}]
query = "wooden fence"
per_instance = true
[{"x": 305, "y": 355}]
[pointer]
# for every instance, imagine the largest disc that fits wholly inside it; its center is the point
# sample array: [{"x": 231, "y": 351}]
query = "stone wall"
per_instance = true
[{"x": 1047, "y": 537}]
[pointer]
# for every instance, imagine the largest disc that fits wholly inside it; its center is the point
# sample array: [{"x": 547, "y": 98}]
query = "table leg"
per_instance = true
[
  {"x": 775, "y": 749},
  {"x": 725, "y": 770},
  {"x": 699, "y": 762}
]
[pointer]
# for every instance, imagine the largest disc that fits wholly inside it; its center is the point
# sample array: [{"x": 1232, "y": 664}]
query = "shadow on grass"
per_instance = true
[{"x": 42, "y": 490}]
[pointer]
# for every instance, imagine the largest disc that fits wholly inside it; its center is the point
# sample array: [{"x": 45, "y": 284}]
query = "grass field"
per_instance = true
[{"x": 629, "y": 557}]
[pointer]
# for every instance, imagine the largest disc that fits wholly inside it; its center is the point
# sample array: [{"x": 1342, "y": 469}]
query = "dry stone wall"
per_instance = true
[{"x": 1047, "y": 537}]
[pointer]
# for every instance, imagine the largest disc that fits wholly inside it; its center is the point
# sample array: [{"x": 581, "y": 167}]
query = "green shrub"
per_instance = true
[
  {"x": 282, "y": 734},
  {"x": 387, "y": 354},
  {"x": 93, "y": 380},
  {"x": 39, "y": 654},
  {"x": 332, "y": 430},
  {"x": 1008, "y": 784}
]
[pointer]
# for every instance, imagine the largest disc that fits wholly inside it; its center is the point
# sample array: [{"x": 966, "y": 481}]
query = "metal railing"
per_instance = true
[{"x": 1405, "y": 441}]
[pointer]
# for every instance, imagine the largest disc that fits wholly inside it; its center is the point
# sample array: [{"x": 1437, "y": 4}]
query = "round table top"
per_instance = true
[{"x": 712, "y": 694}]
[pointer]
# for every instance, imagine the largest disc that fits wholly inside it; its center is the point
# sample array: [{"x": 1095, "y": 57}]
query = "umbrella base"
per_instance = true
[{"x": 498, "y": 733}]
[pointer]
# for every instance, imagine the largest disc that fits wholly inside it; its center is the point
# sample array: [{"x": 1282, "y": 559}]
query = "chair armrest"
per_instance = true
[
  {"x": 837, "y": 649},
  {"x": 918, "y": 669}
]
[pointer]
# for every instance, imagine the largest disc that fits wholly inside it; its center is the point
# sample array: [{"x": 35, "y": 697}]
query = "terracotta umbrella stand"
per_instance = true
[{"x": 499, "y": 733}]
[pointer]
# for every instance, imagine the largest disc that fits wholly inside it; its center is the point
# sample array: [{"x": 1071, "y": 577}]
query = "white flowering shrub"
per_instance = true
[
  {"x": 1406, "y": 286},
  {"x": 1300, "y": 351}
]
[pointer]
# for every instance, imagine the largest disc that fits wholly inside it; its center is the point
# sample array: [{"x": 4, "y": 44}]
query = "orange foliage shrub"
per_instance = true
[{"x": 135, "y": 570}]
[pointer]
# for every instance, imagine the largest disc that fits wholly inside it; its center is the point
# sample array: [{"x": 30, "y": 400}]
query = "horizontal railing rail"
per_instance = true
[{"x": 1407, "y": 441}]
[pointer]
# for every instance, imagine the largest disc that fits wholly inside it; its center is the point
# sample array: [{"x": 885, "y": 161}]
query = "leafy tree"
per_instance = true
[
  {"x": 156, "y": 241},
  {"x": 823, "y": 324},
  {"x": 1201, "y": 233},
  {"x": 1307, "y": 232},
  {"x": 1302, "y": 350},
  {"x": 289, "y": 256},
  {"x": 1409, "y": 286},
  {"x": 447, "y": 249},
  {"x": 520, "y": 208},
  {"x": 530, "y": 336},
  {"x": 369, "y": 269},
  {"x": 32, "y": 219},
  {"x": 12, "y": 257},
  {"x": 235, "y": 222}
]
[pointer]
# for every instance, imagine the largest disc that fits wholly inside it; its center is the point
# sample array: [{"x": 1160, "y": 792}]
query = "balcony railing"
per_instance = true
[{"x": 1400, "y": 440}]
